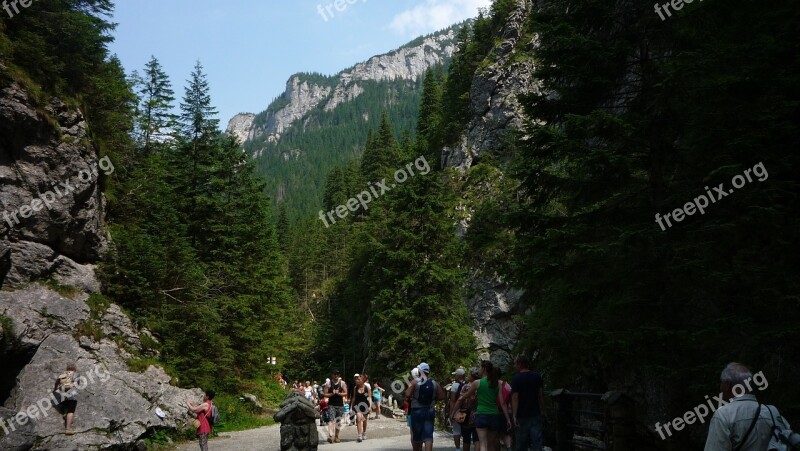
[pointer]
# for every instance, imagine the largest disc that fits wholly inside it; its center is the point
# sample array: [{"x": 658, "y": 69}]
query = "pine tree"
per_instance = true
[{"x": 156, "y": 103}]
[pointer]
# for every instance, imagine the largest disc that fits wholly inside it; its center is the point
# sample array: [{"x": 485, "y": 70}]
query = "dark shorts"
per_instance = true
[
  {"x": 335, "y": 412},
  {"x": 470, "y": 435},
  {"x": 490, "y": 422},
  {"x": 422, "y": 424},
  {"x": 68, "y": 406}
]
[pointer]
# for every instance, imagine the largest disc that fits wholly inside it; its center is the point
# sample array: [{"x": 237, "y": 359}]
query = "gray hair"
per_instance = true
[{"x": 735, "y": 373}]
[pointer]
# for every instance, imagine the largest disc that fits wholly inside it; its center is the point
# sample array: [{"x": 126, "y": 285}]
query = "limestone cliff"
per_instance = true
[
  {"x": 305, "y": 93},
  {"x": 494, "y": 113},
  {"x": 52, "y": 231}
]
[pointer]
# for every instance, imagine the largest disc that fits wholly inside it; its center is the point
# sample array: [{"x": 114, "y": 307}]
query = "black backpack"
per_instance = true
[{"x": 427, "y": 391}]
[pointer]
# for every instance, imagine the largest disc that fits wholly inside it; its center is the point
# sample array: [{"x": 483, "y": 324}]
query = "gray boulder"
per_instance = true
[{"x": 116, "y": 406}]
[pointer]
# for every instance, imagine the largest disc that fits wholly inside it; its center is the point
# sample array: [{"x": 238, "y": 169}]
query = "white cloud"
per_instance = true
[{"x": 434, "y": 15}]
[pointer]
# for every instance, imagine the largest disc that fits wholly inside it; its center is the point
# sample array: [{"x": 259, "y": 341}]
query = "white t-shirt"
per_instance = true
[{"x": 309, "y": 393}]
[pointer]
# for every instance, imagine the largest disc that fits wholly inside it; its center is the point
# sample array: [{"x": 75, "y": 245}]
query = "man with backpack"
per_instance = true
[
  {"x": 744, "y": 424},
  {"x": 207, "y": 417},
  {"x": 455, "y": 393},
  {"x": 423, "y": 392}
]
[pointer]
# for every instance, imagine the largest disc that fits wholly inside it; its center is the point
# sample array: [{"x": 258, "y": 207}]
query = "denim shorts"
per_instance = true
[
  {"x": 422, "y": 424},
  {"x": 490, "y": 422}
]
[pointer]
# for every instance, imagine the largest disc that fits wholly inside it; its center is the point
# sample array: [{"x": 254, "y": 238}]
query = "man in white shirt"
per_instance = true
[{"x": 734, "y": 426}]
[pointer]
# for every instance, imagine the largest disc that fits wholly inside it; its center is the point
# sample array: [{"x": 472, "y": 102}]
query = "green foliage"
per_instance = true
[
  {"x": 237, "y": 415},
  {"x": 634, "y": 118}
]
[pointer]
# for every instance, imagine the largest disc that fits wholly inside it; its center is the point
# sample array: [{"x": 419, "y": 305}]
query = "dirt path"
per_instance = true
[{"x": 384, "y": 435}]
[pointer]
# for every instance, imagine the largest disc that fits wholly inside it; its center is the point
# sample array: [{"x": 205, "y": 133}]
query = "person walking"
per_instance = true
[
  {"x": 527, "y": 405},
  {"x": 744, "y": 424},
  {"x": 455, "y": 393},
  {"x": 505, "y": 393},
  {"x": 488, "y": 420},
  {"x": 336, "y": 393},
  {"x": 377, "y": 397},
  {"x": 66, "y": 392},
  {"x": 424, "y": 393},
  {"x": 362, "y": 405},
  {"x": 203, "y": 412},
  {"x": 464, "y": 411}
]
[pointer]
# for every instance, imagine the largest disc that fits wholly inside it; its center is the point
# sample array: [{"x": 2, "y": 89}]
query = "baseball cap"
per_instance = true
[
  {"x": 336, "y": 371},
  {"x": 459, "y": 372},
  {"x": 425, "y": 368},
  {"x": 357, "y": 375}
]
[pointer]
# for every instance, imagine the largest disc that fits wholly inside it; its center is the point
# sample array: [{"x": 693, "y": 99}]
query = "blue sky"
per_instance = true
[{"x": 249, "y": 48}]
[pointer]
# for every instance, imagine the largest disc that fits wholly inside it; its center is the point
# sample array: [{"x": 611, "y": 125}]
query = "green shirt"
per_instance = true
[{"x": 487, "y": 398}]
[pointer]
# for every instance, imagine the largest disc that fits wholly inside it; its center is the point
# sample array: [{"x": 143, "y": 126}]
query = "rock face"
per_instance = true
[
  {"x": 494, "y": 104},
  {"x": 304, "y": 93},
  {"x": 115, "y": 405},
  {"x": 495, "y": 111},
  {"x": 53, "y": 210},
  {"x": 50, "y": 198},
  {"x": 240, "y": 126}
]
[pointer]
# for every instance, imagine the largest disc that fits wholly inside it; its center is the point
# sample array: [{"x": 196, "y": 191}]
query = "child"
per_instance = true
[{"x": 324, "y": 418}]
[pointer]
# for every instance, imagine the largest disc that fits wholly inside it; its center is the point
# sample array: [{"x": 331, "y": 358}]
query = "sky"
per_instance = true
[{"x": 250, "y": 48}]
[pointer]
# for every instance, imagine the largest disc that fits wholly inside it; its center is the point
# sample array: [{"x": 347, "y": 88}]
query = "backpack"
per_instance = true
[
  {"x": 213, "y": 419},
  {"x": 65, "y": 382},
  {"x": 782, "y": 438},
  {"x": 426, "y": 392}
]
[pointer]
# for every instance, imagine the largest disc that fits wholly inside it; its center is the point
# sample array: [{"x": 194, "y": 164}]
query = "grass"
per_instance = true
[
  {"x": 67, "y": 291},
  {"x": 237, "y": 415}
]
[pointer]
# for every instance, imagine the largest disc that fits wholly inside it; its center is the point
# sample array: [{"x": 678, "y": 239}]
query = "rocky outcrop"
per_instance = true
[
  {"x": 495, "y": 311},
  {"x": 116, "y": 406},
  {"x": 304, "y": 93},
  {"x": 241, "y": 125},
  {"x": 51, "y": 202},
  {"x": 494, "y": 106},
  {"x": 495, "y": 112}
]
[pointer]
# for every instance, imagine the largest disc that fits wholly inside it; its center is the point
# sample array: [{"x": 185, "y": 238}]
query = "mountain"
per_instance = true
[{"x": 320, "y": 122}]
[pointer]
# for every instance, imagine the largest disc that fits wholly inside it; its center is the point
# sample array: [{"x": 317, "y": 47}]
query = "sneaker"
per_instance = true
[
  {"x": 330, "y": 440},
  {"x": 364, "y": 437},
  {"x": 69, "y": 432},
  {"x": 336, "y": 440},
  {"x": 358, "y": 439}
]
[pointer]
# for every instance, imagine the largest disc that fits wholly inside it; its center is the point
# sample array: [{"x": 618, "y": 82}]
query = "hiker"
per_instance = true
[
  {"x": 336, "y": 393},
  {"x": 324, "y": 418},
  {"x": 202, "y": 423},
  {"x": 527, "y": 405},
  {"x": 377, "y": 397},
  {"x": 407, "y": 405},
  {"x": 469, "y": 404},
  {"x": 744, "y": 424},
  {"x": 423, "y": 392},
  {"x": 505, "y": 393},
  {"x": 488, "y": 420},
  {"x": 65, "y": 392},
  {"x": 455, "y": 393},
  {"x": 308, "y": 391},
  {"x": 362, "y": 405}
]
